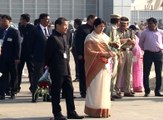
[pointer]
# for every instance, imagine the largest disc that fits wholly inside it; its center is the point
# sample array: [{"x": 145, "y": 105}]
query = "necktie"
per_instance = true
[{"x": 46, "y": 33}]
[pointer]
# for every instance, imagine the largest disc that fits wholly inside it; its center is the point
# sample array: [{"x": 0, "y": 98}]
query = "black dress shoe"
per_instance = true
[
  {"x": 12, "y": 96},
  {"x": 34, "y": 97},
  {"x": 132, "y": 92},
  {"x": 34, "y": 100},
  {"x": 158, "y": 94},
  {"x": 8, "y": 93},
  {"x": 112, "y": 99},
  {"x": 128, "y": 95},
  {"x": 60, "y": 117},
  {"x": 146, "y": 94},
  {"x": 116, "y": 96},
  {"x": 74, "y": 115},
  {"x": 18, "y": 90},
  {"x": 83, "y": 96},
  {"x": 2, "y": 97}
]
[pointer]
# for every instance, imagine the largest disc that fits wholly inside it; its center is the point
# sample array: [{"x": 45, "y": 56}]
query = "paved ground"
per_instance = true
[{"x": 136, "y": 108}]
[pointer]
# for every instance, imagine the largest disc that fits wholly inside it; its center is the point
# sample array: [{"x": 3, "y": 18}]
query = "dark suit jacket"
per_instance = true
[
  {"x": 27, "y": 33},
  {"x": 39, "y": 45},
  {"x": 11, "y": 45},
  {"x": 1, "y": 36},
  {"x": 80, "y": 36},
  {"x": 1, "y": 33},
  {"x": 54, "y": 58}
]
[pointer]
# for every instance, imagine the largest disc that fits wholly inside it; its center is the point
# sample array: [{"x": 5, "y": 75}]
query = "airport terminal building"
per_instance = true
[{"x": 70, "y": 9}]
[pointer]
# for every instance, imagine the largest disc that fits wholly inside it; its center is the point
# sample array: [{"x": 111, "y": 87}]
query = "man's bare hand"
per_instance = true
[
  {"x": 115, "y": 45},
  {"x": 130, "y": 42}
]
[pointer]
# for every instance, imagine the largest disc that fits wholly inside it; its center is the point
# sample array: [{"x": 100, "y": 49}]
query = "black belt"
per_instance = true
[
  {"x": 152, "y": 51},
  {"x": 125, "y": 49}
]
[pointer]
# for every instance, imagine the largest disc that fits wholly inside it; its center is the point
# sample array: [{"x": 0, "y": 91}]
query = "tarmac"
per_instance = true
[{"x": 127, "y": 108}]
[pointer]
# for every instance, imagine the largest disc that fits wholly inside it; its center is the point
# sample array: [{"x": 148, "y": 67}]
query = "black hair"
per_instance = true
[
  {"x": 7, "y": 17},
  {"x": 90, "y": 17},
  {"x": 152, "y": 19},
  {"x": 36, "y": 22},
  {"x": 60, "y": 21},
  {"x": 78, "y": 21},
  {"x": 133, "y": 27},
  {"x": 98, "y": 21},
  {"x": 26, "y": 17},
  {"x": 124, "y": 19},
  {"x": 114, "y": 20},
  {"x": 0, "y": 16},
  {"x": 42, "y": 16}
]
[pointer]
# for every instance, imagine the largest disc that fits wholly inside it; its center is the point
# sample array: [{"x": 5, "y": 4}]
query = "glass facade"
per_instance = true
[
  {"x": 122, "y": 7},
  {"x": 143, "y": 15},
  {"x": 70, "y": 9}
]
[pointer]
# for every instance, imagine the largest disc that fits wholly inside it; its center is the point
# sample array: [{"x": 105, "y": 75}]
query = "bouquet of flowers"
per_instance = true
[
  {"x": 43, "y": 89},
  {"x": 44, "y": 80}
]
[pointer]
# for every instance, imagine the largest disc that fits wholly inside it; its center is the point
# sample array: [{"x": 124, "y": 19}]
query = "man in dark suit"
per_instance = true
[
  {"x": 10, "y": 55},
  {"x": 80, "y": 36},
  {"x": 27, "y": 34},
  {"x": 1, "y": 41},
  {"x": 77, "y": 23},
  {"x": 41, "y": 36},
  {"x": 1, "y": 30},
  {"x": 57, "y": 60}
]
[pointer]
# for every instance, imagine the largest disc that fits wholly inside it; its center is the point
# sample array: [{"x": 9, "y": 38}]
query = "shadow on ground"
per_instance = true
[
  {"x": 27, "y": 100},
  {"x": 140, "y": 98},
  {"x": 34, "y": 118},
  {"x": 152, "y": 83}
]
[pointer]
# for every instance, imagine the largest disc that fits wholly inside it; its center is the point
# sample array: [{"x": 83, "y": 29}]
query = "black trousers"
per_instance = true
[
  {"x": 76, "y": 62},
  {"x": 30, "y": 68},
  {"x": 37, "y": 73},
  {"x": 148, "y": 59},
  {"x": 82, "y": 79},
  {"x": 61, "y": 83},
  {"x": 9, "y": 69}
]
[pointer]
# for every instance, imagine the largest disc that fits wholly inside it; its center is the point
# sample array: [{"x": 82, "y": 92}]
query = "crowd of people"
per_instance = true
[{"x": 109, "y": 59}]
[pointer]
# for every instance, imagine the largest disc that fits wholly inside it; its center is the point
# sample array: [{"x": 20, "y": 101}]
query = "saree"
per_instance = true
[
  {"x": 137, "y": 68},
  {"x": 98, "y": 76}
]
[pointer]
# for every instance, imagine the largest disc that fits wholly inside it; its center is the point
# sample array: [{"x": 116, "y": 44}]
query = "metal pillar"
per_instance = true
[
  {"x": 10, "y": 7},
  {"x": 61, "y": 11},
  {"x": 35, "y": 9}
]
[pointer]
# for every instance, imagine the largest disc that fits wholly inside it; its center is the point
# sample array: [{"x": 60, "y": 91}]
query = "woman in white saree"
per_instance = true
[{"x": 98, "y": 72}]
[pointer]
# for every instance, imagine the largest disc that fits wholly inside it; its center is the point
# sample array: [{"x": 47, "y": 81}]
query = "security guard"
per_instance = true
[
  {"x": 10, "y": 55},
  {"x": 127, "y": 39}
]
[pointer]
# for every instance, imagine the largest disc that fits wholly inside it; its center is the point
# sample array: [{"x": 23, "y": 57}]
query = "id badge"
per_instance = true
[
  {"x": 1, "y": 42},
  {"x": 65, "y": 55}
]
